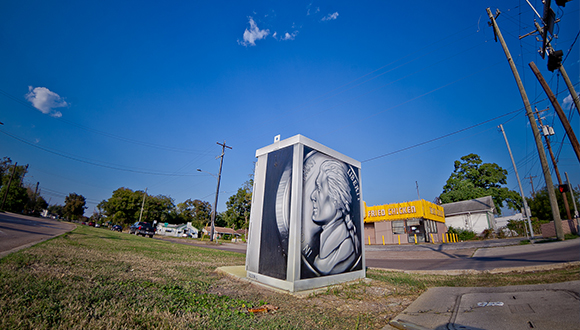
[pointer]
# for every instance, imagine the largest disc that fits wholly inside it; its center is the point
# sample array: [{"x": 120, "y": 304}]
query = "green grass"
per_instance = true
[{"x": 97, "y": 279}]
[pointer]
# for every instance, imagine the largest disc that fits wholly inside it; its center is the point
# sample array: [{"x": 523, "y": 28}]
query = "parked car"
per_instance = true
[
  {"x": 186, "y": 235},
  {"x": 142, "y": 228},
  {"x": 92, "y": 224},
  {"x": 117, "y": 228},
  {"x": 97, "y": 225}
]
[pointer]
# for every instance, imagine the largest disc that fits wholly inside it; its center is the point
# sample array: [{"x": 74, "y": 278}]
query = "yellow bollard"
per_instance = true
[
  {"x": 415, "y": 238},
  {"x": 383, "y": 240},
  {"x": 443, "y": 238},
  {"x": 369, "y": 240},
  {"x": 432, "y": 240},
  {"x": 456, "y": 238},
  {"x": 399, "y": 239}
]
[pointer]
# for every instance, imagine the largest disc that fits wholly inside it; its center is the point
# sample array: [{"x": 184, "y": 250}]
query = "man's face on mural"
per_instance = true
[{"x": 323, "y": 204}]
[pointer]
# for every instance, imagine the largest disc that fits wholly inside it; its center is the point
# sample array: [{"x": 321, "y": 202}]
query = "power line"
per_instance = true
[
  {"x": 113, "y": 167},
  {"x": 92, "y": 130},
  {"x": 440, "y": 137}
]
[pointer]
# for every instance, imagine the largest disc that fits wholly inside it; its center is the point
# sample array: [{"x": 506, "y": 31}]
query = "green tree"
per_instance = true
[
  {"x": 195, "y": 211},
  {"x": 35, "y": 203},
  {"x": 74, "y": 206},
  {"x": 472, "y": 178},
  {"x": 541, "y": 208},
  {"x": 57, "y": 210},
  {"x": 17, "y": 197},
  {"x": 237, "y": 214},
  {"x": 124, "y": 207}
]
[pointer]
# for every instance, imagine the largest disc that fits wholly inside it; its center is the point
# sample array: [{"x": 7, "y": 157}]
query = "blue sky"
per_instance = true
[{"x": 101, "y": 95}]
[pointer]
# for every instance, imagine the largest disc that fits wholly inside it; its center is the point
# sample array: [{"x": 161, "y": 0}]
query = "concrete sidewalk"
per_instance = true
[{"x": 544, "y": 306}]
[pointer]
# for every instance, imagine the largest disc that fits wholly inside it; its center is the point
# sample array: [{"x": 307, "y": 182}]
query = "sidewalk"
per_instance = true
[{"x": 544, "y": 306}]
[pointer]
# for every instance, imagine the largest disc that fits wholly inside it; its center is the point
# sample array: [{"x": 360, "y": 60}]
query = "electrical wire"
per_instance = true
[
  {"x": 92, "y": 130},
  {"x": 90, "y": 162}
]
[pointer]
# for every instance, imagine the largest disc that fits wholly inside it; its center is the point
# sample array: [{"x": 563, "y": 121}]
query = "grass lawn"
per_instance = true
[{"x": 98, "y": 279}]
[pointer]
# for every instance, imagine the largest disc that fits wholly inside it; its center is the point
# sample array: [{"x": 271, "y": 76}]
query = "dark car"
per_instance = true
[
  {"x": 142, "y": 228},
  {"x": 117, "y": 228}
]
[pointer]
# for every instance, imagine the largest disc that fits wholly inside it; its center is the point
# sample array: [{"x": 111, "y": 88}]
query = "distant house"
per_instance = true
[
  {"x": 502, "y": 222},
  {"x": 476, "y": 215},
  {"x": 180, "y": 230},
  {"x": 219, "y": 232}
]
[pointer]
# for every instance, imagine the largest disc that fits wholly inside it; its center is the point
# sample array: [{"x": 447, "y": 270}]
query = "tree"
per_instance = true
[
  {"x": 237, "y": 214},
  {"x": 17, "y": 198},
  {"x": 35, "y": 203},
  {"x": 540, "y": 204},
  {"x": 57, "y": 210},
  {"x": 74, "y": 206},
  {"x": 197, "y": 212},
  {"x": 472, "y": 179},
  {"x": 124, "y": 207}
]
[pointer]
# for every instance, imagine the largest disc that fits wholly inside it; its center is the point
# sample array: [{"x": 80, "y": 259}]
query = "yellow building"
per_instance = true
[{"x": 408, "y": 222}]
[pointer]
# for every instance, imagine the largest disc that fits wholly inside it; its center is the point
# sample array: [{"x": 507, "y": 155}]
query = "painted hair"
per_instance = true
[{"x": 338, "y": 183}]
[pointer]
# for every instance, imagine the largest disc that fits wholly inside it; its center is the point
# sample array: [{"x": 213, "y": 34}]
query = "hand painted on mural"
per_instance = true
[{"x": 331, "y": 246}]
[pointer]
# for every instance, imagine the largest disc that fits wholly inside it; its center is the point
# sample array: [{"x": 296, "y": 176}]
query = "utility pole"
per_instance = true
[
  {"x": 539, "y": 146},
  {"x": 573, "y": 201},
  {"x": 8, "y": 187},
  {"x": 526, "y": 209},
  {"x": 532, "y": 183},
  {"x": 555, "y": 166},
  {"x": 142, "y": 205},
  {"x": 213, "y": 215},
  {"x": 563, "y": 73},
  {"x": 559, "y": 111},
  {"x": 417, "y": 184}
]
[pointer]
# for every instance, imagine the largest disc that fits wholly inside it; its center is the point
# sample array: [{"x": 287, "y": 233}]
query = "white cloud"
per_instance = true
[
  {"x": 567, "y": 101},
  {"x": 330, "y": 17},
  {"x": 288, "y": 36},
  {"x": 253, "y": 34},
  {"x": 46, "y": 100}
]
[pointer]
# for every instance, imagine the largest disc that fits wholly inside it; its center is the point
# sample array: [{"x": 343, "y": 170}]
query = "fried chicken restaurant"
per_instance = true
[{"x": 408, "y": 222}]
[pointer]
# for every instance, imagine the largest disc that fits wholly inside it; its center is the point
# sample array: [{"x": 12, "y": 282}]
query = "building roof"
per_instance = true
[
  {"x": 478, "y": 205},
  {"x": 221, "y": 230}
]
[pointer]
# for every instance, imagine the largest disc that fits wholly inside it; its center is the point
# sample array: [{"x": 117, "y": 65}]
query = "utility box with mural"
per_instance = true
[{"x": 306, "y": 220}]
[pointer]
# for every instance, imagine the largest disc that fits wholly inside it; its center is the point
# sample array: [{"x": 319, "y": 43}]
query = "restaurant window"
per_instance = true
[{"x": 398, "y": 227}]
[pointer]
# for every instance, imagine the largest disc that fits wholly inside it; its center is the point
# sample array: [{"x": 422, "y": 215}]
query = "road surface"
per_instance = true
[{"x": 20, "y": 231}]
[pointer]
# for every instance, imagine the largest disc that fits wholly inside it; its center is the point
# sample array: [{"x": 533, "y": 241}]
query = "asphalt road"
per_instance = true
[
  {"x": 20, "y": 231},
  {"x": 477, "y": 258},
  {"x": 477, "y": 255}
]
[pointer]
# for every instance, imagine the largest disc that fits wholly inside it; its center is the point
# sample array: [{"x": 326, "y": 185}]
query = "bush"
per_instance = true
[{"x": 463, "y": 234}]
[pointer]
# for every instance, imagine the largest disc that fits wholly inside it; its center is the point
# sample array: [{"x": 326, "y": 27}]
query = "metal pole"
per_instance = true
[
  {"x": 213, "y": 215},
  {"x": 539, "y": 145},
  {"x": 142, "y": 205},
  {"x": 526, "y": 215}
]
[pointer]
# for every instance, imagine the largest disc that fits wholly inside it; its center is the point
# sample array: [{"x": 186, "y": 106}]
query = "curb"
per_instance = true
[{"x": 456, "y": 272}]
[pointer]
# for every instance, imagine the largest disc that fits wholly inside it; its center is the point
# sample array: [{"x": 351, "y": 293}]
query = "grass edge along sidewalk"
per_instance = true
[{"x": 93, "y": 278}]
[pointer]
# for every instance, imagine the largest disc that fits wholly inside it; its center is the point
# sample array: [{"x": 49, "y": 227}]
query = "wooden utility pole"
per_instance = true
[
  {"x": 142, "y": 205},
  {"x": 213, "y": 215},
  {"x": 555, "y": 166},
  {"x": 532, "y": 183},
  {"x": 537, "y": 138},
  {"x": 563, "y": 73},
  {"x": 8, "y": 187},
  {"x": 559, "y": 111}
]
